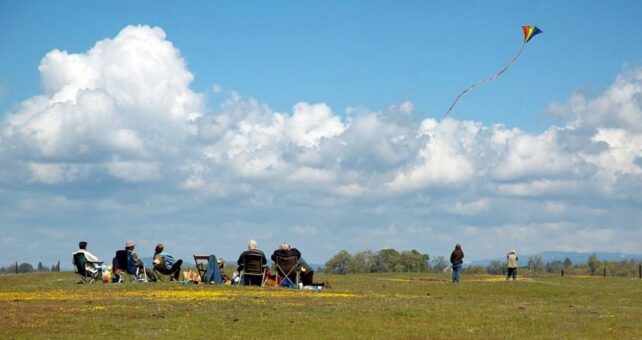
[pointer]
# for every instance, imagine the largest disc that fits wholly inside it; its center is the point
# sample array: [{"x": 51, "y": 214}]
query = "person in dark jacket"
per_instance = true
[
  {"x": 285, "y": 250},
  {"x": 457, "y": 260},
  {"x": 251, "y": 249}
]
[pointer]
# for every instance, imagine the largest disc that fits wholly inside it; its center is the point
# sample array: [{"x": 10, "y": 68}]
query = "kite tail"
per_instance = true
[{"x": 493, "y": 77}]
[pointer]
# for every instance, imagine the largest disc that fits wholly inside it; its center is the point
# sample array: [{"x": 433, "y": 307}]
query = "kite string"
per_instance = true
[{"x": 493, "y": 77}]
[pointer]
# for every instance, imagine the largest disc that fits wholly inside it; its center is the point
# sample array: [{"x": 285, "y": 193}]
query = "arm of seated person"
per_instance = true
[{"x": 159, "y": 262}]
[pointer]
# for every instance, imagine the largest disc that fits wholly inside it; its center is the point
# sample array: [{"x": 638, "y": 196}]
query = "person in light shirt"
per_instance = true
[
  {"x": 511, "y": 265},
  {"x": 90, "y": 265}
]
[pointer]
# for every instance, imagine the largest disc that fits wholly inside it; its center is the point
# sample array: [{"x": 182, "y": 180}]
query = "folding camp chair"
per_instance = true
[
  {"x": 210, "y": 269},
  {"x": 124, "y": 264},
  {"x": 287, "y": 268},
  {"x": 201, "y": 261},
  {"x": 87, "y": 276},
  {"x": 252, "y": 269}
]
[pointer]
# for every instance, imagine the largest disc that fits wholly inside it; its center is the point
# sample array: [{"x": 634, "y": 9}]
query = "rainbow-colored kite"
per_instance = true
[{"x": 529, "y": 33}]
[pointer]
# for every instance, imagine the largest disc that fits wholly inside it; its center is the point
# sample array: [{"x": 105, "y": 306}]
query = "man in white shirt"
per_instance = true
[{"x": 89, "y": 265}]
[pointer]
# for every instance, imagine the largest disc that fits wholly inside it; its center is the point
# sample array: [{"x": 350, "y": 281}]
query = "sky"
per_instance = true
[{"x": 203, "y": 125}]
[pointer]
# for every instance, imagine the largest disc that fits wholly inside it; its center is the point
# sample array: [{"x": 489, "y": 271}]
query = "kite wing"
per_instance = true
[{"x": 529, "y": 33}]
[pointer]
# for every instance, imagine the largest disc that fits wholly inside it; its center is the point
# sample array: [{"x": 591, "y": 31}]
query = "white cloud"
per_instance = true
[
  {"x": 216, "y": 88},
  {"x": 624, "y": 149},
  {"x": 311, "y": 175},
  {"x": 46, "y": 173},
  {"x": 619, "y": 106},
  {"x": 128, "y": 96},
  {"x": 538, "y": 188},
  {"x": 470, "y": 208},
  {"x": 134, "y": 171},
  {"x": 527, "y": 156},
  {"x": 309, "y": 124},
  {"x": 444, "y": 160}
]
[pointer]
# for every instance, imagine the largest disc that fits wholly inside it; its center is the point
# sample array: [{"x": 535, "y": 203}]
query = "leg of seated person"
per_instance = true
[
  {"x": 253, "y": 280},
  {"x": 164, "y": 271},
  {"x": 176, "y": 269},
  {"x": 307, "y": 278}
]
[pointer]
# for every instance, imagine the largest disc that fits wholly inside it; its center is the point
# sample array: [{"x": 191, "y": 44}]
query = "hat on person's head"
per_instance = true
[
  {"x": 159, "y": 248},
  {"x": 129, "y": 244}
]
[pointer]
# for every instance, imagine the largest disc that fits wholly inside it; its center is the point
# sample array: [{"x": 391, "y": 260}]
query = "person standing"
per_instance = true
[
  {"x": 511, "y": 265},
  {"x": 457, "y": 260}
]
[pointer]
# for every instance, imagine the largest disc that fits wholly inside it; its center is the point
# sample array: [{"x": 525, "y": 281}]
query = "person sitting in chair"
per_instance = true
[
  {"x": 129, "y": 246},
  {"x": 147, "y": 274},
  {"x": 93, "y": 263},
  {"x": 165, "y": 264},
  {"x": 251, "y": 249},
  {"x": 285, "y": 250}
]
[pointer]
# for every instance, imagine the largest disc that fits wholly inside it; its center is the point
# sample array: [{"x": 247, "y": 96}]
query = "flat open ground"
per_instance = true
[{"x": 52, "y": 305}]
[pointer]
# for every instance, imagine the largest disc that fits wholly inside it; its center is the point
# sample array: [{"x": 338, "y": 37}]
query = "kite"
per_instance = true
[{"x": 529, "y": 33}]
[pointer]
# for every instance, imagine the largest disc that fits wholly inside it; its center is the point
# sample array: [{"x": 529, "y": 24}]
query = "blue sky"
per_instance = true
[
  {"x": 339, "y": 106},
  {"x": 370, "y": 53}
]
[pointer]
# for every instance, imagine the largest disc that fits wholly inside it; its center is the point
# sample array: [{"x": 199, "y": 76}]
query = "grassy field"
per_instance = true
[{"x": 52, "y": 305}]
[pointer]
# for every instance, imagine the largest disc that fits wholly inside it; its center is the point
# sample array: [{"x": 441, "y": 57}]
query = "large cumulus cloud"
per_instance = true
[
  {"x": 123, "y": 113},
  {"x": 119, "y": 107}
]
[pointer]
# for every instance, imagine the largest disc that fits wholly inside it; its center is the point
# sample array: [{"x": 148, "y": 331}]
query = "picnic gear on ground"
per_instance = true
[{"x": 191, "y": 276}]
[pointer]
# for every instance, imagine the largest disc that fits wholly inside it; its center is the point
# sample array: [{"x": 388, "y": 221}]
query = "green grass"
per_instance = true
[{"x": 52, "y": 305}]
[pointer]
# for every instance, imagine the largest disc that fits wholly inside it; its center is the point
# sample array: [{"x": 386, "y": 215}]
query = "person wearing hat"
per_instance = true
[
  {"x": 129, "y": 246},
  {"x": 165, "y": 264},
  {"x": 511, "y": 265}
]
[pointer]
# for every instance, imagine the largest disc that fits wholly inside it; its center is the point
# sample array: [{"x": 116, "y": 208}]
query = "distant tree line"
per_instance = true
[
  {"x": 382, "y": 261},
  {"x": 21, "y": 268},
  {"x": 593, "y": 266}
]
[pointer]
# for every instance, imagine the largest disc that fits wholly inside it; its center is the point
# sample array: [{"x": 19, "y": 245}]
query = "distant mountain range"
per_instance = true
[{"x": 550, "y": 256}]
